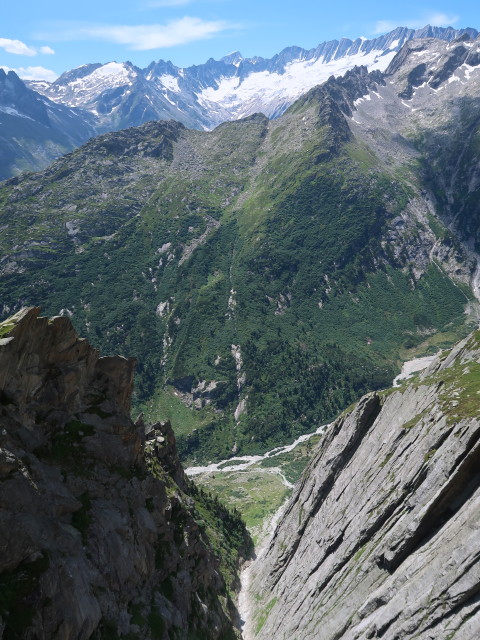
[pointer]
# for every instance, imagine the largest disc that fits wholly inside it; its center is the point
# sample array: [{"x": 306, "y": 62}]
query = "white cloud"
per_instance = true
[
  {"x": 33, "y": 73},
  {"x": 435, "y": 19},
  {"x": 17, "y": 47},
  {"x": 146, "y": 37},
  {"x": 47, "y": 50}
]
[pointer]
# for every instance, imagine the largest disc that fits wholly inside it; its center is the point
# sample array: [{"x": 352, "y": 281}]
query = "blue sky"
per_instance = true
[{"x": 46, "y": 38}]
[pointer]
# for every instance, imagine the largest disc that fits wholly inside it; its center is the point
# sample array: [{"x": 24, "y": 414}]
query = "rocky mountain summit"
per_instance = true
[
  {"x": 381, "y": 536},
  {"x": 99, "y": 534}
]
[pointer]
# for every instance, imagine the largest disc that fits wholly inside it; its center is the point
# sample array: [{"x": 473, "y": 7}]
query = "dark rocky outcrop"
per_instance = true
[
  {"x": 157, "y": 143},
  {"x": 98, "y": 535},
  {"x": 381, "y": 537},
  {"x": 335, "y": 99}
]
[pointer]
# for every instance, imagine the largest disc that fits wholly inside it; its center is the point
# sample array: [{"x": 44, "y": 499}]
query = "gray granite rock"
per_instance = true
[{"x": 381, "y": 538}]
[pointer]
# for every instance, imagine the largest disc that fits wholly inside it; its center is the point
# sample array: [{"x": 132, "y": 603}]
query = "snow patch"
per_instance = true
[
  {"x": 468, "y": 70},
  {"x": 169, "y": 82},
  {"x": 13, "y": 112},
  {"x": 111, "y": 69}
]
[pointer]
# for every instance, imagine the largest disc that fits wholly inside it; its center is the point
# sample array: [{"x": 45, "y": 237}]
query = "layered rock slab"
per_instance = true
[
  {"x": 382, "y": 535},
  {"x": 98, "y": 535}
]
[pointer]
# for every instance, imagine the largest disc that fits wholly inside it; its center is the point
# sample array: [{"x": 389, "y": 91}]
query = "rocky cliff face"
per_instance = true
[
  {"x": 381, "y": 537},
  {"x": 98, "y": 536},
  {"x": 426, "y": 115}
]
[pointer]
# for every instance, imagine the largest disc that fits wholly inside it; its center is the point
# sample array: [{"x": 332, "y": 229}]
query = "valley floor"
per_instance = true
[{"x": 259, "y": 487}]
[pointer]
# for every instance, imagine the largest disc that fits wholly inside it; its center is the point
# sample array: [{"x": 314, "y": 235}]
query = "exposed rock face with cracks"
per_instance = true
[
  {"x": 98, "y": 537},
  {"x": 381, "y": 537}
]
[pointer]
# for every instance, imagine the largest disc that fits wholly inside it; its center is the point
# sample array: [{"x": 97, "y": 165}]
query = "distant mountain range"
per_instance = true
[
  {"x": 203, "y": 96},
  {"x": 40, "y": 121}
]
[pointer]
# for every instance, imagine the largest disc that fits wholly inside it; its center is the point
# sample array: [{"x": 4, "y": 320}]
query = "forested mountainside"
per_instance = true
[
  {"x": 267, "y": 273},
  {"x": 380, "y": 539},
  {"x": 101, "y": 534}
]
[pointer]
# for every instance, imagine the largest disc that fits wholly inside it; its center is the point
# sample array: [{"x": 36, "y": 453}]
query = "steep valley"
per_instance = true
[
  {"x": 264, "y": 282},
  {"x": 314, "y": 245},
  {"x": 107, "y": 538}
]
